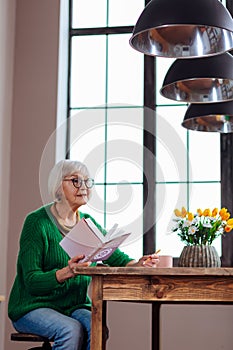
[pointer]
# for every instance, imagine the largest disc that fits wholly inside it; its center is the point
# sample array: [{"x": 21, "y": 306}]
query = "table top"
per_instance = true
[{"x": 142, "y": 271}]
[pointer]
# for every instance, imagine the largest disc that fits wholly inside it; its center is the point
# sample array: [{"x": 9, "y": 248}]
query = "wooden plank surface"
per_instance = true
[
  {"x": 174, "y": 271},
  {"x": 168, "y": 288},
  {"x": 165, "y": 284}
]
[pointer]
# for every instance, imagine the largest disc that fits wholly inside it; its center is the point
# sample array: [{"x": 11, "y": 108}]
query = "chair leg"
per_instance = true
[{"x": 45, "y": 346}]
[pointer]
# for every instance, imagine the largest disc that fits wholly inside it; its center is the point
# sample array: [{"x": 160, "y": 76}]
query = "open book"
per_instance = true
[{"x": 85, "y": 238}]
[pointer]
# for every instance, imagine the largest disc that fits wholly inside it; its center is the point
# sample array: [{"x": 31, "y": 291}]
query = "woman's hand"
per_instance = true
[
  {"x": 145, "y": 261},
  {"x": 74, "y": 263},
  {"x": 70, "y": 270}
]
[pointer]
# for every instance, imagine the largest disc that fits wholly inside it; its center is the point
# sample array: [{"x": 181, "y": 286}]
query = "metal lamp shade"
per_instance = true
[
  {"x": 215, "y": 117},
  {"x": 200, "y": 80},
  {"x": 183, "y": 29}
]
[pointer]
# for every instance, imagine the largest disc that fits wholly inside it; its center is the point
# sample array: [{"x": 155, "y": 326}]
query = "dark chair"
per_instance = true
[{"x": 26, "y": 337}]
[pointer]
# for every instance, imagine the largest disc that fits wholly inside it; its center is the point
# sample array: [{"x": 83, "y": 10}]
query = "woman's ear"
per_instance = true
[{"x": 58, "y": 195}]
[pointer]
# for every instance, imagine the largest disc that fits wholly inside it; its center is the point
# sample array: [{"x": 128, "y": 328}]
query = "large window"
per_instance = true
[{"x": 139, "y": 180}]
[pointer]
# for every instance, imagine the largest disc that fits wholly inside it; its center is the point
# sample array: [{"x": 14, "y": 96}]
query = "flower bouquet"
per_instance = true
[
  {"x": 198, "y": 231},
  {"x": 203, "y": 227}
]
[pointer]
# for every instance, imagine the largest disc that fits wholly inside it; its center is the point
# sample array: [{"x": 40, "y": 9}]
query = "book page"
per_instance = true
[
  {"x": 74, "y": 248},
  {"x": 94, "y": 229},
  {"x": 84, "y": 235},
  {"x": 115, "y": 231}
]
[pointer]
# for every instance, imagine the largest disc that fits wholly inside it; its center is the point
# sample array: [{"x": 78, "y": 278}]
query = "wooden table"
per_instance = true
[{"x": 157, "y": 286}]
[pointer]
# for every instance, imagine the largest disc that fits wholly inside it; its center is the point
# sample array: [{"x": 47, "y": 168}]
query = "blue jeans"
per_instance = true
[{"x": 69, "y": 333}]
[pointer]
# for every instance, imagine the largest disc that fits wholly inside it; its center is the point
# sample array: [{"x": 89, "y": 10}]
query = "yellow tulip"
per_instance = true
[
  {"x": 222, "y": 212},
  {"x": 199, "y": 212},
  {"x": 183, "y": 212},
  {"x": 177, "y": 212},
  {"x": 206, "y": 212},
  {"x": 190, "y": 216},
  {"x": 214, "y": 212},
  {"x": 230, "y": 222},
  {"x": 225, "y": 216}
]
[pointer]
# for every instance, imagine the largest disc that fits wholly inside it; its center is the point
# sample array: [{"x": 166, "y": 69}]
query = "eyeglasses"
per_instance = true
[{"x": 77, "y": 182}]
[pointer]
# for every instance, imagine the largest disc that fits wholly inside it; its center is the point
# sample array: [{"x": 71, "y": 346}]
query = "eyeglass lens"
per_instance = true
[{"x": 78, "y": 182}]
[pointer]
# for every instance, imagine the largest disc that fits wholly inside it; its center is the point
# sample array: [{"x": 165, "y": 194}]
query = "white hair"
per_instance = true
[{"x": 61, "y": 170}]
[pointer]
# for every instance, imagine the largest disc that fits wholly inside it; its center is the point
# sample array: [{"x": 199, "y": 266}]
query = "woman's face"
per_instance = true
[{"x": 76, "y": 190}]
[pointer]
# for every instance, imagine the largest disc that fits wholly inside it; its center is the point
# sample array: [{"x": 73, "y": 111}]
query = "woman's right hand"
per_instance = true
[{"x": 71, "y": 270}]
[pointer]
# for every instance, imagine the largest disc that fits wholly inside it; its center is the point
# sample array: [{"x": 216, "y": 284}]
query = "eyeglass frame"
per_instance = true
[{"x": 77, "y": 180}]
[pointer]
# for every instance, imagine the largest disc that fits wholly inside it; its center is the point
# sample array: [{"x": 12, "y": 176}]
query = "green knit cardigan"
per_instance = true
[{"x": 40, "y": 255}]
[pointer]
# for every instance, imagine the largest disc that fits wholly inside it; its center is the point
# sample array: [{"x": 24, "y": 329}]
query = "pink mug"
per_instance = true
[{"x": 165, "y": 261}]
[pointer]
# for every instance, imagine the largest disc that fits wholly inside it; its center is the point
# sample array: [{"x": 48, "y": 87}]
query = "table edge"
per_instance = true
[{"x": 174, "y": 271}]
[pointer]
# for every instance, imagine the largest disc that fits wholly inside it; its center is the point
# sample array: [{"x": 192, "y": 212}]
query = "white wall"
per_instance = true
[
  {"x": 28, "y": 109},
  {"x": 34, "y": 111}
]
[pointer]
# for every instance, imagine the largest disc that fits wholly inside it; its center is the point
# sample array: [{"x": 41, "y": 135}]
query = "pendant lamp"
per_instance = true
[
  {"x": 210, "y": 117},
  {"x": 183, "y": 29},
  {"x": 200, "y": 80}
]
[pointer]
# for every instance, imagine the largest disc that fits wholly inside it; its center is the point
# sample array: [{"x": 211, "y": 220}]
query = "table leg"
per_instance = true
[
  {"x": 155, "y": 325},
  {"x": 98, "y": 320},
  {"x": 104, "y": 325}
]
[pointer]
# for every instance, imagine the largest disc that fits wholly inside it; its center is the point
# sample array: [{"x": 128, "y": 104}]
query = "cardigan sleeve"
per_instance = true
[{"x": 40, "y": 256}]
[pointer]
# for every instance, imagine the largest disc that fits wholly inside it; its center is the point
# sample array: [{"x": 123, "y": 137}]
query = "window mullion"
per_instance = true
[{"x": 149, "y": 210}]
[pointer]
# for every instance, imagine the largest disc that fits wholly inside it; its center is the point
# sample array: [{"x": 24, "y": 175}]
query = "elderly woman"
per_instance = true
[{"x": 47, "y": 297}]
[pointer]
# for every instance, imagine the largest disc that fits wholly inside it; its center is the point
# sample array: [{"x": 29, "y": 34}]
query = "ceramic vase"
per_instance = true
[{"x": 199, "y": 256}]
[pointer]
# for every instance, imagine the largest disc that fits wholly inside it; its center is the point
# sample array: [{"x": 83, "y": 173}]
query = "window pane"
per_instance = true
[
  {"x": 96, "y": 207},
  {"x": 171, "y": 149},
  {"x": 123, "y": 12},
  {"x": 124, "y": 205},
  {"x": 125, "y": 72},
  {"x": 172, "y": 196},
  {"x": 133, "y": 249},
  {"x": 88, "y": 67},
  {"x": 124, "y": 146},
  {"x": 168, "y": 198},
  {"x": 205, "y": 195},
  {"x": 204, "y": 148},
  {"x": 89, "y": 13},
  {"x": 87, "y": 140},
  {"x": 121, "y": 169}
]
